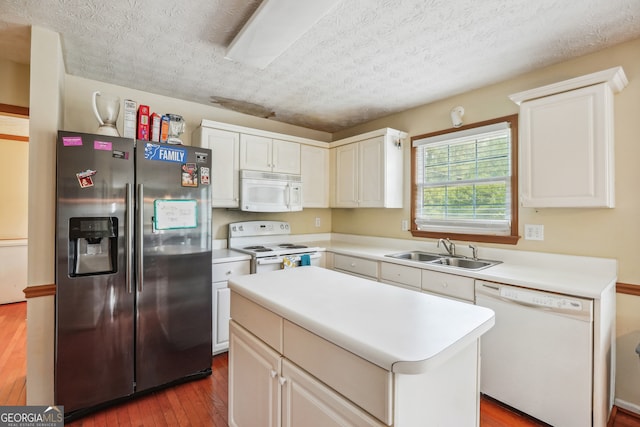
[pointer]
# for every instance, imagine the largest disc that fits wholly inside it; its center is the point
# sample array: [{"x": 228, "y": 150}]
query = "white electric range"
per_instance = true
[{"x": 268, "y": 243}]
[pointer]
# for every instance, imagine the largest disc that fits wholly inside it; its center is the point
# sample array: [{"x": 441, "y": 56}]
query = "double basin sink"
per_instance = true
[{"x": 446, "y": 260}]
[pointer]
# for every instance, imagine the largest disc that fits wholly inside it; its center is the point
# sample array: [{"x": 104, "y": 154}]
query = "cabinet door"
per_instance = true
[
  {"x": 286, "y": 157},
  {"x": 400, "y": 275},
  {"x": 255, "y": 394},
  {"x": 346, "y": 191},
  {"x": 225, "y": 165},
  {"x": 371, "y": 176},
  {"x": 567, "y": 149},
  {"x": 314, "y": 168},
  {"x": 221, "y": 316},
  {"x": 309, "y": 403},
  {"x": 255, "y": 153},
  {"x": 221, "y": 273},
  {"x": 356, "y": 266},
  {"x": 449, "y": 285}
]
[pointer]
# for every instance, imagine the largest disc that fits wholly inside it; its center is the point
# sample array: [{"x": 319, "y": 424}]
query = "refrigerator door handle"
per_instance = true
[
  {"x": 129, "y": 227},
  {"x": 140, "y": 237}
]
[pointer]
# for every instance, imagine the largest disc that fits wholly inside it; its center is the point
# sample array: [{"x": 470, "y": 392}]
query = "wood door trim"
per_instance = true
[{"x": 14, "y": 109}]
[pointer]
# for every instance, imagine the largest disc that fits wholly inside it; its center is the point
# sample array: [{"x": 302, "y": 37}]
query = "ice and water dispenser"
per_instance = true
[{"x": 93, "y": 245}]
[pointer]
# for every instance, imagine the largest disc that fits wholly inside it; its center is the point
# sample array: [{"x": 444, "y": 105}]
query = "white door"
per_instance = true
[
  {"x": 346, "y": 191},
  {"x": 286, "y": 157},
  {"x": 306, "y": 402},
  {"x": 567, "y": 149},
  {"x": 371, "y": 176},
  {"x": 225, "y": 165},
  {"x": 254, "y": 390},
  {"x": 221, "y": 316},
  {"x": 255, "y": 153},
  {"x": 314, "y": 168}
]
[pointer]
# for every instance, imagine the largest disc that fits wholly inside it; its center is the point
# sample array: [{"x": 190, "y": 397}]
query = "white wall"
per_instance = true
[{"x": 45, "y": 109}]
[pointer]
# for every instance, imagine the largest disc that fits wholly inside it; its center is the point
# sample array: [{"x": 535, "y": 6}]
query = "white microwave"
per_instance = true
[{"x": 270, "y": 192}]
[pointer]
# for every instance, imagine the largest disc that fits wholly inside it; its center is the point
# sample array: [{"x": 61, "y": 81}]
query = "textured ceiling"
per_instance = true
[{"x": 363, "y": 60}]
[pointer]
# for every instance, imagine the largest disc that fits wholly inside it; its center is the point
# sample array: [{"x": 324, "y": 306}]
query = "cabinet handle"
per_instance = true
[
  {"x": 273, "y": 373},
  {"x": 228, "y": 272},
  {"x": 282, "y": 380},
  {"x": 353, "y": 264},
  {"x": 445, "y": 285}
]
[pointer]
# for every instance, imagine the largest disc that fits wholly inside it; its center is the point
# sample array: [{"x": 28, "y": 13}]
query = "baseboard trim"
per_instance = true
[
  {"x": 39, "y": 291},
  {"x": 628, "y": 407},
  {"x": 625, "y": 288}
]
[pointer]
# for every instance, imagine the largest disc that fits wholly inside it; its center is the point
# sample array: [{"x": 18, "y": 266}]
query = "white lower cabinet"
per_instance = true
[
  {"x": 266, "y": 389},
  {"x": 448, "y": 285},
  {"x": 357, "y": 266},
  {"x": 221, "y": 297},
  {"x": 306, "y": 402},
  {"x": 400, "y": 275},
  {"x": 255, "y": 369},
  {"x": 221, "y": 301}
]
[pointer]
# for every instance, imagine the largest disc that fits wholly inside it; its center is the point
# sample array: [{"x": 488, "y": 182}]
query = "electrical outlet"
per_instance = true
[
  {"x": 317, "y": 222},
  {"x": 405, "y": 225},
  {"x": 534, "y": 232}
]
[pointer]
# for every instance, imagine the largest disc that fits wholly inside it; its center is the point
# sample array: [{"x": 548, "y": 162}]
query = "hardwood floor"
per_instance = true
[{"x": 196, "y": 403}]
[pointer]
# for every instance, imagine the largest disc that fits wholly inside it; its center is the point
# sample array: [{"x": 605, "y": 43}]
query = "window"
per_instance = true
[{"x": 465, "y": 182}]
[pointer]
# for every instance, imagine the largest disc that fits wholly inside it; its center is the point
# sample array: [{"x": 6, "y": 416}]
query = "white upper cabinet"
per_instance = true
[
  {"x": 346, "y": 178},
  {"x": 237, "y": 147},
  {"x": 314, "y": 168},
  {"x": 566, "y": 142},
  {"x": 225, "y": 164},
  {"x": 369, "y": 171},
  {"x": 269, "y": 155}
]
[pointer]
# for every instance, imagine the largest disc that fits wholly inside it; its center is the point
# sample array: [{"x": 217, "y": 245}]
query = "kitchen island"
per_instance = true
[{"x": 311, "y": 346}]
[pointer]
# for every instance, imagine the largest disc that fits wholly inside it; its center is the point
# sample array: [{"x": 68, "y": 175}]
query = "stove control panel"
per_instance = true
[{"x": 258, "y": 228}]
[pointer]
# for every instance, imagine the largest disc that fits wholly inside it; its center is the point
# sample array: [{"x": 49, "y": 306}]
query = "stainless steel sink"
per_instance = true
[
  {"x": 466, "y": 263},
  {"x": 417, "y": 256},
  {"x": 447, "y": 260}
]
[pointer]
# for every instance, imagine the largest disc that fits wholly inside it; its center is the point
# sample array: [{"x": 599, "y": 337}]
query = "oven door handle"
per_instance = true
[
  {"x": 279, "y": 259},
  {"x": 269, "y": 260}
]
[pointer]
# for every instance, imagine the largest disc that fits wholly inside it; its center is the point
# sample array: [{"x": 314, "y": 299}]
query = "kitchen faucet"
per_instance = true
[
  {"x": 448, "y": 245},
  {"x": 474, "y": 249}
]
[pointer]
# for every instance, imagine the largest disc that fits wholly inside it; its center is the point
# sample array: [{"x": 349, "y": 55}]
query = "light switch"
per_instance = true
[{"x": 534, "y": 232}]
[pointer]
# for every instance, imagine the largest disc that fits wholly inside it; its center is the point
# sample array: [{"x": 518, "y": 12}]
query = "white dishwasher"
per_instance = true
[{"x": 538, "y": 358}]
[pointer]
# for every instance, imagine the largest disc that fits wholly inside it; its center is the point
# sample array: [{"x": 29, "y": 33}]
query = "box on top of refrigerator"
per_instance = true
[
  {"x": 143, "y": 122},
  {"x": 130, "y": 118}
]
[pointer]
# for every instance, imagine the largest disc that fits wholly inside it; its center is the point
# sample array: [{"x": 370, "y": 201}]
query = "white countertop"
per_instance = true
[
  {"x": 228, "y": 255},
  {"x": 397, "y": 329},
  {"x": 581, "y": 276},
  {"x": 586, "y": 277}
]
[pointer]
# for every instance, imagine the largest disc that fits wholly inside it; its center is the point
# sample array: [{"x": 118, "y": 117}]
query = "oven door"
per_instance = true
[{"x": 277, "y": 262}]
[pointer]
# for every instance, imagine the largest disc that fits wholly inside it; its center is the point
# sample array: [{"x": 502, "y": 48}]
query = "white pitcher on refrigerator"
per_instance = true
[{"x": 106, "y": 109}]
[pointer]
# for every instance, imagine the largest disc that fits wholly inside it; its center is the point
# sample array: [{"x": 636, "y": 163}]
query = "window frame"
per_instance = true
[{"x": 513, "y": 236}]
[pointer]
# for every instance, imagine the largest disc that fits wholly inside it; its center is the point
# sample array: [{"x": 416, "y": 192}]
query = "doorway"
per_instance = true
[{"x": 14, "y": 190}]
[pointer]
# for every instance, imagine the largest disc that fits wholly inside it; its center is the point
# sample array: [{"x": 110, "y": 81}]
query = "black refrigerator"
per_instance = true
[{"x": 133, "y": 268}]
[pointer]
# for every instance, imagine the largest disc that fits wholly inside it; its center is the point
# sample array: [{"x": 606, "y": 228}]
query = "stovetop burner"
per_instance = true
[
  {"x": 258, "y": 248},
  {"x": 265, "y": 239}
]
